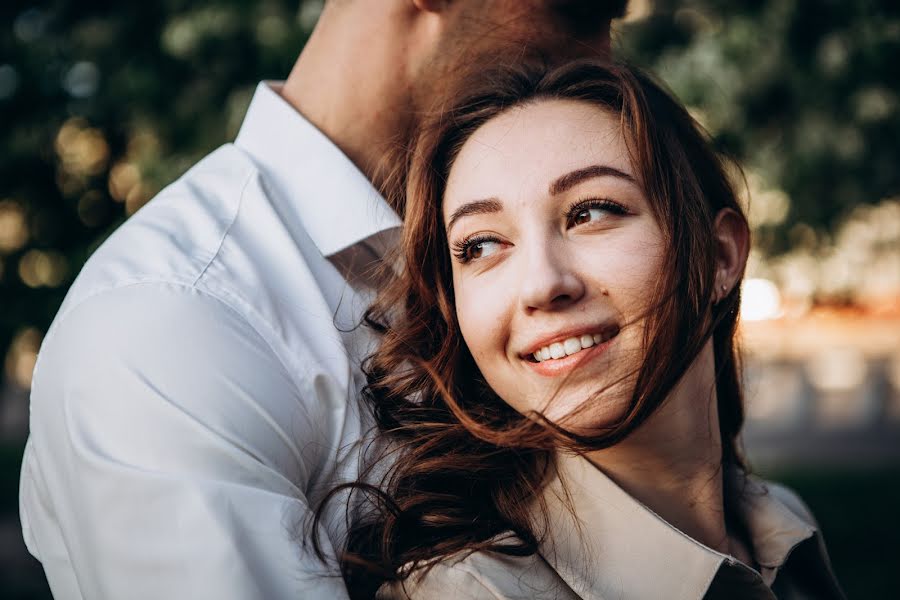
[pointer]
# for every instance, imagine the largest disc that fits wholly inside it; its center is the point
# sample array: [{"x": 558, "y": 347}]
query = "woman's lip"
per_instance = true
[
  {"x": 608, "y": 332},
  {"x": 561, "y": 366}
]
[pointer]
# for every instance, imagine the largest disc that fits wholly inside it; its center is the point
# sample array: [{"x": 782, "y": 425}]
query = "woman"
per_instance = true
[{"x": 558, "y": 370}]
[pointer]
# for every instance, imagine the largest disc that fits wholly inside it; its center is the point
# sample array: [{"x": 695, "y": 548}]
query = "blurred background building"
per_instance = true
[{"x": 102, "y": 104}]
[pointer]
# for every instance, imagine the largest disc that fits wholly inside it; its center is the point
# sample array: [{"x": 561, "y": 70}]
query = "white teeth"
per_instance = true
[
  {"x": 557, "y": 350},
  {"x": 572, "y": 345},
  {"x": 567, "y": 347}
]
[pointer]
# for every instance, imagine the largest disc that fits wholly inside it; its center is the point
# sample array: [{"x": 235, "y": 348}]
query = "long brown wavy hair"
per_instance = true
[{"x": 466, "y": 468}]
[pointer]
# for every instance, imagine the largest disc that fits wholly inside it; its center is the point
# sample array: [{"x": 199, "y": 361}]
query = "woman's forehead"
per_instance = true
[{"x": 524, "y": 149}]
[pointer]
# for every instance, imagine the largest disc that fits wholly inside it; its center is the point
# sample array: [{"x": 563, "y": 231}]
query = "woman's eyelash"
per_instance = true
[
  {"x": 602, "y": 203},
  {"x": 462, "y": 247},
  {"x": 610, "y": 207}
]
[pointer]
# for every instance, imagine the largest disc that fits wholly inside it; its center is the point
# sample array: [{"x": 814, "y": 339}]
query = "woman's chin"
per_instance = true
[{"x": 583, "y": 420}]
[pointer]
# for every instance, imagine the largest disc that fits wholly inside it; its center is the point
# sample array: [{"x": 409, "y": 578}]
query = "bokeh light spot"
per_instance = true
[
  {"x": 309, "y": 13},
  {"x": 123, "y": 177},
  {"x": 82, "y": 79},
  {"x": 43, "y": 268},
  {"x": 760, "y": 300},
  {"x": 874, "y": 104},
  {"x": 22, "y": 356},
  {"x": 271, "y": 30},
  {"x": 82, "y": 150},
  {"x": 30, "y": 25},
  {"x": 13, "y": 226}
]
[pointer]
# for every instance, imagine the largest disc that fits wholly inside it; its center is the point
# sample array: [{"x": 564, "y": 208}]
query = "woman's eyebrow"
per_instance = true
[
  {"x": 575, "y": 177},
  {"x": 476, "y": 207}
]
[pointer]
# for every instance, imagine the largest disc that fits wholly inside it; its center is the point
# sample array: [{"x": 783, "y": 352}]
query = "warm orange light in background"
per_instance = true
[
  {"x": 22, "y": 356},
  {"x": 122, "y": 179},
  {"x": 43, "y": 268},
  {"x": 126, "y": 182},
  {"x": 858, "y": 264},
  {"x": 82, "y": 150},
  {"x": 13, "y": 226}
]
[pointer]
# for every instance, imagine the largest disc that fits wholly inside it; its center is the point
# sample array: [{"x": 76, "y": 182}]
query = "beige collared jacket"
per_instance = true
[{"x": 621, "y": 550}]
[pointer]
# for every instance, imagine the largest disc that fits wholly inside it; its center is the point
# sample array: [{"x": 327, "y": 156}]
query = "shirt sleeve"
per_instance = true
[{"x": 169, "y": 455}]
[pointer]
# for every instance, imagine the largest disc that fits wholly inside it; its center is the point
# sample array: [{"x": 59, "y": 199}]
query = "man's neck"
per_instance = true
[{"x": 362, "y": 109}]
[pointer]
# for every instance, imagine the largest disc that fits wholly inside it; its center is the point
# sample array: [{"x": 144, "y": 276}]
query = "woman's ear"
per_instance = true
[{"x": 732, "y": 238}]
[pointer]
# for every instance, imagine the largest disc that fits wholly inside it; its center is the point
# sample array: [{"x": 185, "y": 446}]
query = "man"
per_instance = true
[{"x": 198, "y": 392}]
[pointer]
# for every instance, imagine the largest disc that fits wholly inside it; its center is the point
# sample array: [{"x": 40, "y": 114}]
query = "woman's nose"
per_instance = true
[{"x": 549, "y": 280}]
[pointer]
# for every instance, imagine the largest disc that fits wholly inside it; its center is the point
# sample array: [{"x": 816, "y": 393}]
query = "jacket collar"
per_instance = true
[
  {"x": 619, "y": 548},
  {"x": 315, "y": 183}
]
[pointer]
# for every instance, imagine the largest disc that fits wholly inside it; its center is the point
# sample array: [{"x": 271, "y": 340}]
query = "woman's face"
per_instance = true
[{"x": 556, "y": 259}]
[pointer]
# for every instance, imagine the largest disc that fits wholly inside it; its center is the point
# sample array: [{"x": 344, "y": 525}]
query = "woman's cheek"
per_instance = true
[
  {"x": 470, "y": 318},
  {"x": 479, "y": 309},
  {"x": 635, "y": 265}
]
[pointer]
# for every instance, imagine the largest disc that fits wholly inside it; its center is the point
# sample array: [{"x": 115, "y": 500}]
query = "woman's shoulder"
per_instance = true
[{"x": 482, "y": 576}]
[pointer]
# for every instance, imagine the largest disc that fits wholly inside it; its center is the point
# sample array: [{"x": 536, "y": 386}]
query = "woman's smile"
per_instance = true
[
  {"x": 589, "y": 348},
  {"x": 560, "y": 353}
]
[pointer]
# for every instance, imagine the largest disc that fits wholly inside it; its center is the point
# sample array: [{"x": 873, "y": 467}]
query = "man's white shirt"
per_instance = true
[{"x": 198, "y": 392}]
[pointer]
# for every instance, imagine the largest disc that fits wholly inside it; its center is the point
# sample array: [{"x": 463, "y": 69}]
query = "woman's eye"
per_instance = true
[
  {"x": 476, "y": 248},
  {"x": 482, "y": 249},
  {"x": 587, "y": 215},
  {"x": 591, "y": 211}
]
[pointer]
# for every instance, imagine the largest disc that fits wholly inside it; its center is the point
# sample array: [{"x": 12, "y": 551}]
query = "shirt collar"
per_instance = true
[
  {"x": 619, "y": 548},
  {"x": 775, "y": 527},
  {"x": 317, "y": 184}
]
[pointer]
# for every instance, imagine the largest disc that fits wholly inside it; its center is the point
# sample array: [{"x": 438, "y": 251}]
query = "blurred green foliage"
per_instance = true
[
  {"x": 101, "y": 105},
  {"x": 804, "y": 92}
]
